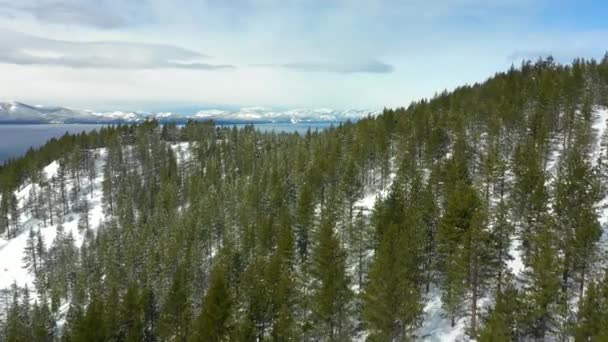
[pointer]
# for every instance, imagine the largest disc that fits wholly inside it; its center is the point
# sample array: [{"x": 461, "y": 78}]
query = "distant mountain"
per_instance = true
[
  {"x": 16, "y": 112},
  {"x": 20, "y": 113}
]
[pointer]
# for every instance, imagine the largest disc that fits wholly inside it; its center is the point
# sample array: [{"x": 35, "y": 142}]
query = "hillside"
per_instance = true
[{"x": 479, "y": 214}]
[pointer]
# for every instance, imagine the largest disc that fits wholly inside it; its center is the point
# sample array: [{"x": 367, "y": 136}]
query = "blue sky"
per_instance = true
[{"x": 177, "y": 54}]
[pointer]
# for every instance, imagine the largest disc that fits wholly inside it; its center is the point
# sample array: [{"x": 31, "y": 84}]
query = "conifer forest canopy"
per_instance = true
[{"x": 480, "y": 212}]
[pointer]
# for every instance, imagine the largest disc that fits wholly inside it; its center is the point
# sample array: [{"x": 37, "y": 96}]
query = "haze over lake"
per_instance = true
[{"x": 15, "y": 140}]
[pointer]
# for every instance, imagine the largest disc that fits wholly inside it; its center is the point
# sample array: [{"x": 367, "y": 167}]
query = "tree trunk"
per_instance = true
[
  {"x": 474, "y": 301},
  {"x": 499, "y": 282},
  {"x": 581, "y": 289}
]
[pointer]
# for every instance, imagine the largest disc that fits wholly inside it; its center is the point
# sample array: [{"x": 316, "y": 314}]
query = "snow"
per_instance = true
[
  {"x": 292, "y": 115},
  {"x": 600, "y": 127},
  {"x": 12, "y": 251},
  {"x": 63, "y": 311},
  {"x": 51, "y": 170},
  {"x": 11, "y": 270},
  {"x": 13, "y": 111},
  {"x": 516, "y": 264},
  {"x": 553, "y": 161},
  {"x": 436, "y": 326},
  {"x": 369, "y": 199},
  {"x": 162, "y": 115},
  {"x": 210, "y": 113},
  {"x": 183, "y": 152}
]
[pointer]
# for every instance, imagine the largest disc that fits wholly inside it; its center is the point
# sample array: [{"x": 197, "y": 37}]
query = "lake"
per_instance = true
[{"x": 15, "y": 140}]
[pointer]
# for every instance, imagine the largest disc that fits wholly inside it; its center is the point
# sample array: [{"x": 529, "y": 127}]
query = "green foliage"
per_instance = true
[
  {"x": 236, "y": 234},
  {"x": 331, "y": 295},
  {"x": 213, "y": 323},
  {"x": 392, "y": 303}
]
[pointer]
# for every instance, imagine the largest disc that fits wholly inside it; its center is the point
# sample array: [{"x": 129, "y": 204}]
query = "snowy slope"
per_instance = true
[
  {"x": 600, "y": 126},
  {"x": 435, "y": 326},
  {"x": 12, "y": 251}
]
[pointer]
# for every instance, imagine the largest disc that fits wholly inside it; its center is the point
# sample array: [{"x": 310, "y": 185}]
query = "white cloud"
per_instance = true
[
  {"x": 96, "y": 13},
  {"x": 23, "y": 49},
  {"x": 340, "y": 53}
]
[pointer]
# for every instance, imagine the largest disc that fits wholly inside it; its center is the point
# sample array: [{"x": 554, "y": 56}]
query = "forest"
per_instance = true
[{"x": 488, "y": 200}]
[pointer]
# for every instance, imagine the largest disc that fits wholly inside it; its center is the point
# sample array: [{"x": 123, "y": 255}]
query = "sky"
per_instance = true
[{"x": 183, "y": 55}]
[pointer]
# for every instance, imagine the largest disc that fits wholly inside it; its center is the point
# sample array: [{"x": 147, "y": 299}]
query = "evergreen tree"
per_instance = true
[
  {"x": 31, "y": 257},
  {"x": 176, "y": 314},
  {"x": 392, "y": 304},
  {"x": 331, "y": 294},
  {"x": 501, "y": 322},
  {"x": 542, "y": 291},
  {"x": 592, "y": 320},
  {"x": 459, "y": 224},
  {"x": 213, "y": 323}
]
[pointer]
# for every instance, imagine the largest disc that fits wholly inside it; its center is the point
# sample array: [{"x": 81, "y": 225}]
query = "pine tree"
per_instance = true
[
  {"x": 85, "y": 213},
  {"x": 4, "y": 210},
  {"x": 92, "y": 325},
  {"x": 31, "y": 257},
  {"x": 130, "y": 317},
  {"x": 150, "y": 314},
  {"x": 542, "y": 290},
  {"x": 42, "y": 323},
  {"x": 17, "y": 318},
  {"x": 392, "y": 302},
  {"x": 331, "y": 294},
  {"x": 91, "y": 170},
  {"x": 360, "y": 243},
  {"x": 62, "y": 179},
  {"x": 501, "y": 322},
  {"x": 454, "y": 243},
  {"x": 592, "y": 316},
  {"x": 15, "y": 213},
  {"x": 283, "y": 291},
  {"x": 176, "y": 314},
  {"x": 304, "y": 222},
  {"x": 577, "y": 192},
  {"x": 213, "y": 323}
]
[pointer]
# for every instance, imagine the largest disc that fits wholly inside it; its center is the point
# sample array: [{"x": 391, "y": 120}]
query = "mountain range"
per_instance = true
[{"x": 13, "y": 112}]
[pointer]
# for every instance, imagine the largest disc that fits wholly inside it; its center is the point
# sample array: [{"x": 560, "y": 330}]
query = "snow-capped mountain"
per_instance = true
[
  {"x": 253, "y": 114},
  {"x": 17, "y": 112}
]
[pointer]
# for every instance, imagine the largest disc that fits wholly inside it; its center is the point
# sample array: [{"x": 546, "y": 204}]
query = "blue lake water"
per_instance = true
[{"x": 15, "y": 140}]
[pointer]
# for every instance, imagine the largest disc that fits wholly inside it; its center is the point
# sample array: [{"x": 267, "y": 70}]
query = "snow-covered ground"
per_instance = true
[
  {"x": 12, "y": 251},
  {"x": 369, "y": 199},
  {"x": 435, "y": 326}
]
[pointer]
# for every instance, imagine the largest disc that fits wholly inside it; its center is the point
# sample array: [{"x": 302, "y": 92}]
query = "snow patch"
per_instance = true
[
  {"x": 436, "y": 327},
  {"x": 50, "y": 170}
]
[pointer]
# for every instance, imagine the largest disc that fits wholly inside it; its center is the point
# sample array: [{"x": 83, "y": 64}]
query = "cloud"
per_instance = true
[
  {"x": 372, "y": 67},
  {"x": 24, "y": 49},
  {"x": 94, "y": 13}
]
